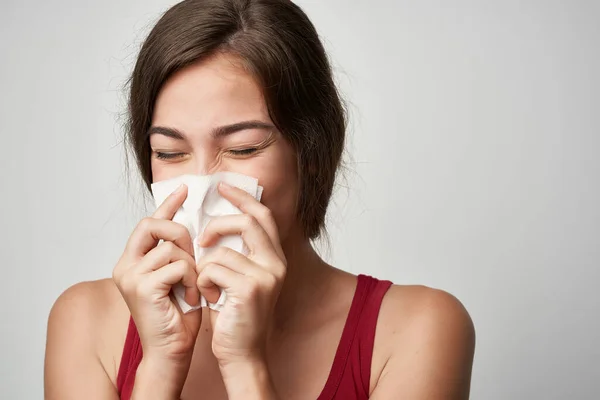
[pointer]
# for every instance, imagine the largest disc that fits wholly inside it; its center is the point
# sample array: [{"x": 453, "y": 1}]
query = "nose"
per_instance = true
[
  {"x": 201, "y": 167},
  {"x": 205, "y": 163}
]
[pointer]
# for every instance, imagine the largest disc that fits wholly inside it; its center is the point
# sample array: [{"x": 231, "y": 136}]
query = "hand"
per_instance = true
[
  {"x": 252, "y": 282},
  {"x": 144, "y": 275}
]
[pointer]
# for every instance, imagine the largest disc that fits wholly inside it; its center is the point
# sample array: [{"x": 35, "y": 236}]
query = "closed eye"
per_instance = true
[
  {"x": 168, "y": 156},
  {"x": 243, "y": 152}
]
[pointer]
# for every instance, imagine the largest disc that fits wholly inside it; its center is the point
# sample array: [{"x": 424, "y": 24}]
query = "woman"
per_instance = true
[{"x": 245, "y": 86}]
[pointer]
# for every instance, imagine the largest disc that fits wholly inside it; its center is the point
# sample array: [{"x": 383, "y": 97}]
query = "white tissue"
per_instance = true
[{"x": 204, "y": 202}]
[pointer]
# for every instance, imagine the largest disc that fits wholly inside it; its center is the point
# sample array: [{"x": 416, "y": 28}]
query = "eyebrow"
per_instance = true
[{"x": 216, "y": 133}]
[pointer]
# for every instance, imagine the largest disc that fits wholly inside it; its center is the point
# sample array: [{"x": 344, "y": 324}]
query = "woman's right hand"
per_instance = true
[{"x": 144, "y": 275}]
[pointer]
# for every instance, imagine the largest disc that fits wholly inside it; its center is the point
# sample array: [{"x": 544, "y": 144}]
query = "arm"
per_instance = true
[
  {"x": 156, "y": 379},
  {"x": 248, "y": 381},
  {"x": 72, "y": 368},
  {"x": 432, "y": 353}
]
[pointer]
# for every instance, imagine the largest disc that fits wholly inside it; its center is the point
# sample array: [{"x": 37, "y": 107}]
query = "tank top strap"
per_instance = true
[
  {"x": 130, "y": 359},
  {"x": 366, "y": 336},
  {"x": 350, "y": 373}
]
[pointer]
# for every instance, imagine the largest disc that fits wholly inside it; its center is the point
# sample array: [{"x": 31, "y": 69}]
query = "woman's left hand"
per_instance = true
[{"x": 252, "y": 283}]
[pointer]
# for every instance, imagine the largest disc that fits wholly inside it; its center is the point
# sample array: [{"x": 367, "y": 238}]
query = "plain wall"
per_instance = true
[{"x": 474, "y": 141}]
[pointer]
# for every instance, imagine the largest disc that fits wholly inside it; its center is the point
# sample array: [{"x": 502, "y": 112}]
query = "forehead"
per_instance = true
[{"x": 213, "y": 92}]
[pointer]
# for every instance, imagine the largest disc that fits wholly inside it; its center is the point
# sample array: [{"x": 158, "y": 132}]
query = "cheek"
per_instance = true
[
  {"x": 159, "y": 174},
  {"x": 280, "y": 197},
  {"x": 279, "y": 178},
  {"x": 162, "y": 171}
]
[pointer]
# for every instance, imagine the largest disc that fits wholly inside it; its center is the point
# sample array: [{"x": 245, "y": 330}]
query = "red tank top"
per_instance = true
[{"x": 350, "y": 373}]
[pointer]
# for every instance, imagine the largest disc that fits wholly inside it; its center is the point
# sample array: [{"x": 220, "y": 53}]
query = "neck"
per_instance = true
[{"x": 306, "y": 279}]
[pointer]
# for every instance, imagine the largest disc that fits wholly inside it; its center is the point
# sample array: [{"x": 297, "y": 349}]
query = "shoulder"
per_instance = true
[
  {"x": 88, "y": 319},
  {"x": 88, "y": 293},
  {"x": 86, "y": 304},
  {"x": 429, "y": 339},
  {"x": 420, "y": 309}
]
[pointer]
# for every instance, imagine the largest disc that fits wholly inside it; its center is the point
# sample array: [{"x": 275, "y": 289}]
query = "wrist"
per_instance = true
[
  {"x": 248, "y": 379},
  {"x": 159, "y": 379}
]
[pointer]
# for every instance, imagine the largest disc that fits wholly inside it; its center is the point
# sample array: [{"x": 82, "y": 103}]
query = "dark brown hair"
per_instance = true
[{"x": 280, "y": 47}]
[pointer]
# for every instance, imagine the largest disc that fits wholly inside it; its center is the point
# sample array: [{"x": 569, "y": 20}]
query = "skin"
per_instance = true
[{"x": 277, "y": 336}]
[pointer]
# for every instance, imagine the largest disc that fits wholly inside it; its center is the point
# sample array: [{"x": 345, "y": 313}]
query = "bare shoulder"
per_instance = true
[
  {"x": 89, "y": 319},
  {"x": 423, "y": 310},
  {"x": 98, "y": 295},
  {"x": 429, "y": 342},
  {"x": 87, "y": 305}
]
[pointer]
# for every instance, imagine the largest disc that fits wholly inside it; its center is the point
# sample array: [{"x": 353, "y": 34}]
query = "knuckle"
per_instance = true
[
  {"x": 249, "y": 221},
  {"x": 267, "y": 213},
  {"x": 145, "y": 224},
  {"x": 190, "y": 262},
  {"x": 252, "y": 289},
  {"x": 279, "y": 274},
  {"x": 206, "y": 271},
  {"x": 182, "y": 231},
  {"x": 281, "y": 267},
  {"x": 271, "y": 281},
  {"x": 168, "y": 247},
  {"x": 187, "y": 265}
]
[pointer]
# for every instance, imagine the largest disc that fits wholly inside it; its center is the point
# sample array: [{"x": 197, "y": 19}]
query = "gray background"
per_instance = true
[{"x": 474, "y": 168}]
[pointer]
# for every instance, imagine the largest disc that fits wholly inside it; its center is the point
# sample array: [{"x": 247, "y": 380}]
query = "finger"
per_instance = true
[
  {"x": 229, "y": 258},
  {"x": 169, "y": 207},
  {"x": 252, "y": 233},
  {"x": 215, "y": 276},
  {"x": 175, "y": 272},
  {"x": 163, "y": 254},
  {"x": 268, "y": 273},
  {"x": 149, "y": 231},
  {"x": 247, "y": 204}
]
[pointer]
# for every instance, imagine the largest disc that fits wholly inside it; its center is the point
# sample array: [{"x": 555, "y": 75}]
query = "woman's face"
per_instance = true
[{"x": 211, "y": 117}]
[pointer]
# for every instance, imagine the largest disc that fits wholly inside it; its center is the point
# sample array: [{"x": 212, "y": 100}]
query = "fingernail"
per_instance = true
[
  {"x": 224, "y": 185},
  {"x": 179, "y": 189}
]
